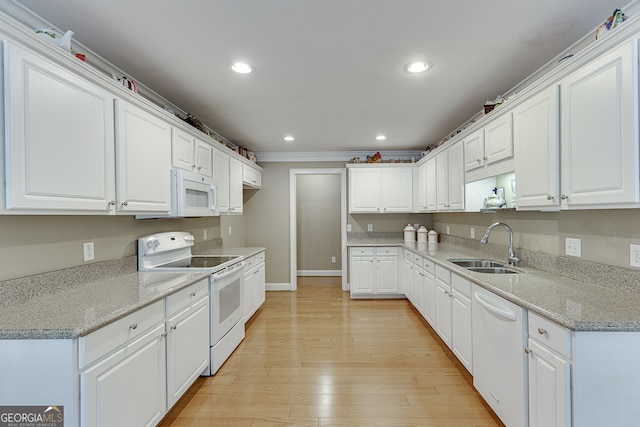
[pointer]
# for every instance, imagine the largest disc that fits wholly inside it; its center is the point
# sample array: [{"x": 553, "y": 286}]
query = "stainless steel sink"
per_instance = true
[
  {"x": 493, "y": 270},
  {"x": 472, "y": 263},
  {"x": 484, "y": 266}
]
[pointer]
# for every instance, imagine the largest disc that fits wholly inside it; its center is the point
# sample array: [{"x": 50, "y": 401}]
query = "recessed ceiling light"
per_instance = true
[
  {"x": 381, "y": 137},
  {"x": 241, "y": 67},
  {"x": 289, "y": 138},
  {"x": 417, "y": 67}
]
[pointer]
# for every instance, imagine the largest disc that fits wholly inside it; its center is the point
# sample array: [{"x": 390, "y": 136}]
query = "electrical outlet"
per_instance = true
[
  {"x": 333, "y": 260},
  {"x": 229, "y": 230},
  {"x": 369, "y": 227},
  {"x": 204, "y": 235},
  {"x": 88, "y": 251},
  {"x": 448, "y": 231},
  {"x": 572, "y": 247},
  {"x": 348, "y": 228},
  {"x": 634, "y": 255},
  {"x": 473, "y": 233}
]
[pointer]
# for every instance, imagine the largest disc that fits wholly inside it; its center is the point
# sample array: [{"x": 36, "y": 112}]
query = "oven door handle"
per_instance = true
[{"x": 217, "y": 277}]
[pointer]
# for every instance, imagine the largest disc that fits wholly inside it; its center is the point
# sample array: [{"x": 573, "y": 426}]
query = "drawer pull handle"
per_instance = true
[
  {"x": 542, "y": 331},
  {"x": 193, "y": 294},
  {"x": 528, "y": 350},
  {"x": 174, "y": 327},
  {"x": 163, "y": 335},
  {"x": 133, "y": 326}
]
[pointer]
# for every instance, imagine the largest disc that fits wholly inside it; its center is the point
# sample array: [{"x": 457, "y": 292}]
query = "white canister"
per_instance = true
[
  {"x": 433, "y": 237},
  {"x": 422, "y": 234},
  {"x": 409, "y": 233}
]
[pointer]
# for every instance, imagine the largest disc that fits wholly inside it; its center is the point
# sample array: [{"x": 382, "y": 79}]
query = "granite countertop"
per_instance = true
[
  {"x": 70, "y": 305},
  {"x": 577, "y": 305}
]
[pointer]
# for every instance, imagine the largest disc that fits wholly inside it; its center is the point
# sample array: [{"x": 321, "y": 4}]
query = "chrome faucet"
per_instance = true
[{"x": 512, "y": 256}]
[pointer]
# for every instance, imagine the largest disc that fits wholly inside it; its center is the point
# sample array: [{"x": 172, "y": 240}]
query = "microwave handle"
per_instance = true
[{"x": 213, "y": 190}]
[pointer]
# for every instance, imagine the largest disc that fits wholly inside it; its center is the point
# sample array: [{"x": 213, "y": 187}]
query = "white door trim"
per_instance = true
[{"x": 293, "y": 173}]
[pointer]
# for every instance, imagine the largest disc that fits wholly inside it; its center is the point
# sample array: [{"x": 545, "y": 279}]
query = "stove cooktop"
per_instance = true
[{"x": 202, "y": 261}]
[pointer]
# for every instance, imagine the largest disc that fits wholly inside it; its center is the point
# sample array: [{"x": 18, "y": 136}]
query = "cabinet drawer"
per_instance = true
[
  {"x": 408, "y": 255},
  {"x": 387, "y": 251},
  {"x": 550, "y": 334},
  {"x": 418, "y": 260},
  {"x": 443, "y": 274},
  {"x": 260, "y": 258},
  {"x": 429, "y": 266},
  {"x": 108, "y": 338},
  {"x": 187, "y": 296},
  {"x": 461, "y": 285},
  {"x": 362, "y": 251}
]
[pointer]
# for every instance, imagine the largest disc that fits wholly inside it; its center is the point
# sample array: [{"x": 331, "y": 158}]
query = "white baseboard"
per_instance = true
[
  {"x": 278, "y": 286},
  {"x": 324, "y": 273}
]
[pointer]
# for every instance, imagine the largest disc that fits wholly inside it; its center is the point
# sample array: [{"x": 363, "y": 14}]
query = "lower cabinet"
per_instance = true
[
  {"x": 461, "y": 332},
  {"x": 443, "y": 305},
  {"x": 254, "y": 285},
  {"x": 373, "y": 271}
]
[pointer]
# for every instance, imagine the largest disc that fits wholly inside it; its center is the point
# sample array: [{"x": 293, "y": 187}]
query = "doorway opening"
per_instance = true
[{"x": 294, "y": 215}]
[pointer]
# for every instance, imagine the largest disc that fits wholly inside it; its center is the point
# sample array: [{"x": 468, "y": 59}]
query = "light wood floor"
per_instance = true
[{"x": 317, "y": 358}]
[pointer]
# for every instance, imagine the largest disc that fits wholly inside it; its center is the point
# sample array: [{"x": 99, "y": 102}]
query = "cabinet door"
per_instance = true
[
  {"x": 59, "y": 138},
  {"x": 443, "y": 311},
  {"x": 127, "y": 388},
  {"x": 235, "y": 186},
  {"x": 474, "y": 150},
  {"x": 143, "y": 149},
  {"x": 461, "y": 328},
  {"x": 364, "y": 190},
  {"x": 429, "y": 298},
  {"x": 248, "y": 294},
  {"x": 418, "y": 286},
  {"x": 599, "y": 131},
  {"x": 406, "y": 278},
  {"x": 537, "y": 150},
  {"x": 386, "y": 274},
  {"x": 442, "y": 181},
  {"x": 397, "y": 190},
  {"x": 182, "y": 150},
  {"x": 362, "y": 275},
  {"x": 260, "y": 286},
  {"x": 455, "y": 180},
  {"x": 432, "y": 187},
  {"x": 203, "y": 154},
  {"x": 549, "y": 388},
  {"x": 422, "y": 187},
  {"x": 221, "y": 169},
  {"x": 498, "y": 139},
  {"x": 187, "y": 348}
]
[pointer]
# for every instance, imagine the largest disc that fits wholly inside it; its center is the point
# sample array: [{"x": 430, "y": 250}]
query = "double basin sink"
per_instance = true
[{"x": 484, "y": 266}]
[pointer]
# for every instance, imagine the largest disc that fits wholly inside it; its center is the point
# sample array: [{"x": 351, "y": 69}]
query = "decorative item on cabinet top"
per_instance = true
[
  {"x": 55, "y": 36},
  {"x": 616, "y": 18}
]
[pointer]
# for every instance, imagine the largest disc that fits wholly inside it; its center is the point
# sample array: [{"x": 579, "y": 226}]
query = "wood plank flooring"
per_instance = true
[{"x": 317, "y": 358}]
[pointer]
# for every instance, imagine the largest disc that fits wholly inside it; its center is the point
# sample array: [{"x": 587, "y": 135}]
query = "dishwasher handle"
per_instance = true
[{"x": 500, "y": 312}]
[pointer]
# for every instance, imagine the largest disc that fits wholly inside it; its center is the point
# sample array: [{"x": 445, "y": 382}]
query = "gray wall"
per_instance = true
[{"x": 318, "y": 222}]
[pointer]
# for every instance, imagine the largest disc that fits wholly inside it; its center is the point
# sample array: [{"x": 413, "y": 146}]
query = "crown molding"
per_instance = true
[{"x": 333, "y": 156}]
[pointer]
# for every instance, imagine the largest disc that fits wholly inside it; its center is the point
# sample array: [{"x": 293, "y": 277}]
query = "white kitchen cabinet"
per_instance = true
[
  {"x": 190, "y": 153},
  {"x": 422, "y": 187},
  {"x": 187, "y": 338},
  {"x": 143, "y": 153},
  {"x": 59, "y": 143},
  {"x": 418, "y": 284},
  {"x": 123, "y": 377},
  {"x": 599, "y": 131},
  {"x": 461, "y": 328},
  {"x": 431, "y": 185},
  {"x": 373, "y": 271},
  {"x": 381, "y": 189},
  {"x": 474, "y": 150},
  {"x": 228, "y": 172},
  {"x": 254, "y": 285},
  {"x": 429, "y": 284},
  {"x": 406, "y": 284},
  {"x": 450, "y": 178},
  {"x": 251, "y": 176},
  {"x": 488, "y": 151},
  {"x": 443, "y": 305},
  {"x": 549, "y": 350},
  {"x": 537, "y": 150}
]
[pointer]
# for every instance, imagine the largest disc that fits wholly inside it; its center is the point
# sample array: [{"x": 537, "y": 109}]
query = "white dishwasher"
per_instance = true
[{"x": 499, "y": 361}]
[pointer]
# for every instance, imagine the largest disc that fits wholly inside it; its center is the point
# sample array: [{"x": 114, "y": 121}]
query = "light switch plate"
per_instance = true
[
  {"x": 573, "y": 247},
  {"x": 634, "y": 255}
]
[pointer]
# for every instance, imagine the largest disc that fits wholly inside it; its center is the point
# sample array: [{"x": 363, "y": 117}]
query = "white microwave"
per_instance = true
[{"x": 192, "y": 195}]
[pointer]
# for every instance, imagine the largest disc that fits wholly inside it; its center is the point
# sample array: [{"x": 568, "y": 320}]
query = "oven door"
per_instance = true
[{"x": 226, "y": 302}]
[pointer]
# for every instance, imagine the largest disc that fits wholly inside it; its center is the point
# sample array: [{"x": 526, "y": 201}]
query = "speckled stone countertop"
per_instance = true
[
  {"x": 71, "y": 303},
  {"x": 574, "y": 304}
]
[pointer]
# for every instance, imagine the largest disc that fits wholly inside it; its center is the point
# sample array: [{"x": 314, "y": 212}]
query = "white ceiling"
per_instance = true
[{"x": 329, "y": 72}]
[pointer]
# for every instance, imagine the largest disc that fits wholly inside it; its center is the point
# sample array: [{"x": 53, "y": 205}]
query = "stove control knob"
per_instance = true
[
  {"x": 156, "y": 243},
  {"x": 150, "y": 244}
]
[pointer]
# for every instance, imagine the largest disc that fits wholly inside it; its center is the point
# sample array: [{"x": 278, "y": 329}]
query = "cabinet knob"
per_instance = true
[
  {"x": 528, "y": 350},
  {"x": 163, "y": 335},
  {"x": 478, "y": 161},
  {"x": 199, "y": 167},
  {"x": 564, "y": 197},
  {"x": 550, "y": 197},
  {"x": 193, "y": 294},
  {"x": 125, "y": 203},
  {"x": 542, "y": 331},
  {"x": 174, "y": 327},
  {"x": 133, "y": 326},
  {"x": 112, "y": 203}
]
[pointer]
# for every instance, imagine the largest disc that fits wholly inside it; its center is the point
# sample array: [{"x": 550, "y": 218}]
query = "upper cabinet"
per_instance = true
[
  {"x": 189, "y": 153},
  {"x": 449, "y": 165},
  {"x": 228, "y": 173},
  {"x": 488, "y": 151},
  {"x": 59, "y": 143},
  {"x": 251, "y": 176},
  {"x": 380, "y": 189},
  {"x": 599, "y": 132},
  {"x": 577, "y": 145}
]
